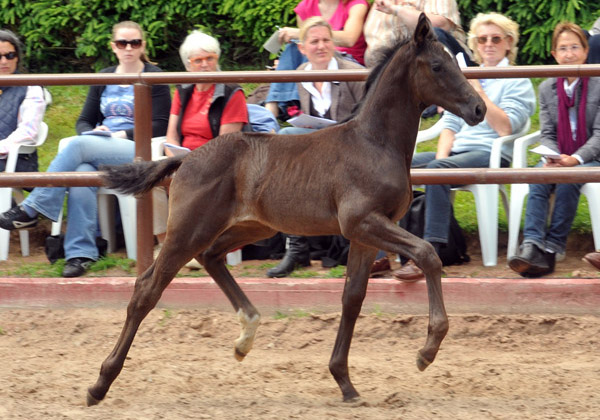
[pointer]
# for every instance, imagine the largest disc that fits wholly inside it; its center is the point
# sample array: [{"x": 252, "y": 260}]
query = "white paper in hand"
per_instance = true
[
  {"x": 177, "y": 150},
  {"x": 273, "y": 45},
  {"x": 308, "y": 121},
  {"x": 100, "y": 133},
  {"x": 546, "y": 152}
]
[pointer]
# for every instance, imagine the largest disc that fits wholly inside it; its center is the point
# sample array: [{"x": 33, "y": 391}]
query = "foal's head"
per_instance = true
[
  {"x": 430, "y": 74},
  {"x": 437, "y": 78}
]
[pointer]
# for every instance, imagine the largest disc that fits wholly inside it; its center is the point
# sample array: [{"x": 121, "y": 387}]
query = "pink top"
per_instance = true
[{"x": 310, "y": 8}]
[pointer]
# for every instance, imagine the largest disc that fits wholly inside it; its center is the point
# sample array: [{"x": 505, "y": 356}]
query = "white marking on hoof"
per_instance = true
[{"x": 244, "y": 343}]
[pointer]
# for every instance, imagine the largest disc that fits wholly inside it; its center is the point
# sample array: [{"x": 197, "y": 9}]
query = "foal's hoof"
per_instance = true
[
  {"x": 422, "y": 363},
  {"x": 90, "y": 400},
  {"x": 239, "y": 356}
]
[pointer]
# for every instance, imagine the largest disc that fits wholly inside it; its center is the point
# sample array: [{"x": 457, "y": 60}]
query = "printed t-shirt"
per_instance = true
[
  {"x": 116, "y": 104},
  {"x": 195, "y": 127},
  {"x": 310, "y": 8}
]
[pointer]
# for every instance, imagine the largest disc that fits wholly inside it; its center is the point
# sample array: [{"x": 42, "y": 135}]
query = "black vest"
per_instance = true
[
  {"x": 10, "y": 101},
  {"x": 222, "y": 94}
]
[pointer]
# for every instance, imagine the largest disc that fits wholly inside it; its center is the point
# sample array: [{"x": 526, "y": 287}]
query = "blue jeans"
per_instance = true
[
  {"x": 84, "y": 153},
  {"x": 553, "y": 237},
  {"x": 290, "y": 59},
  {"x": 438, "y": 207}
]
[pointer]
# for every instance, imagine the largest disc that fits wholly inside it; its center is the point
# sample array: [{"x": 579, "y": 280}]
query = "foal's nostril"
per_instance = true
[{"x": 479, "y": 111}]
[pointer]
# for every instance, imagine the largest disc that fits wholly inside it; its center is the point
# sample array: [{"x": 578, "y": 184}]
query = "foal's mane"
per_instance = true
[{"x": 384, "y": 55}]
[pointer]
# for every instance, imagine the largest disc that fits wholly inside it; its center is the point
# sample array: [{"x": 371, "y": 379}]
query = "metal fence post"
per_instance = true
[{"x": 143, "y": 137}]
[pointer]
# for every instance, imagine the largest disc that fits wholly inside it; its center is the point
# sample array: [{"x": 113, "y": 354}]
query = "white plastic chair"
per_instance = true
[
  {"x": 158, "y": 147},
  {"x": 6, "y": 194},
  {"x": 106, "y": 215},
  {"x": 486, "y": 195},
  {"x": 518, "y": 192}
]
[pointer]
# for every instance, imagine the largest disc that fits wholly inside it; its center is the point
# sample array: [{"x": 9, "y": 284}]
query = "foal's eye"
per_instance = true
[{"x": 436, "y": 66}]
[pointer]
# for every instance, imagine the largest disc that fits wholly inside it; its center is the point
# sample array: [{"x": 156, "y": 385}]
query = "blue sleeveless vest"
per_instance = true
[{"x": 10, "y": 101}]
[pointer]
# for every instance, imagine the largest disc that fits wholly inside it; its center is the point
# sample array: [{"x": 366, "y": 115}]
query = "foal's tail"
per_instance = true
[{"x": 139, "y": 177}]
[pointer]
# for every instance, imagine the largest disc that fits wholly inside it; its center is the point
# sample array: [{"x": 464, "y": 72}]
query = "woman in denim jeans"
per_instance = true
[
  {"x": 570, "y": 126},
  {"x": 105, "y": 134}
]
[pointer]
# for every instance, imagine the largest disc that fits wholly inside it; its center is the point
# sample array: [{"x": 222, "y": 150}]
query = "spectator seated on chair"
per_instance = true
[
  {"x": 510, "y": 102},
  {"x": 21, "y": 107},
  {"x": 570, "y": 127},
  {"x": 331, "y": 100},
  {"x": 108, "y": 110},
  {"x": 203, "y": 111},
  {"x": 346, "y": 18}
]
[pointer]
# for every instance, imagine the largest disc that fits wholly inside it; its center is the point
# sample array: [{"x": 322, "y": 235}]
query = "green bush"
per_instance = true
[{"x": 74, "y": 35}]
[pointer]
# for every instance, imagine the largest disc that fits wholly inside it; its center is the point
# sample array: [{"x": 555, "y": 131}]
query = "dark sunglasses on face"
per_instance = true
[
  {"x": 122, "y": 43},
  {"x": 9, "y": 56},
  {"x": 496, "y": 39}
]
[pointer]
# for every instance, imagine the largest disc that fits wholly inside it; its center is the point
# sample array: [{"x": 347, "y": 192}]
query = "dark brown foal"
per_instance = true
[{"x": 351, "y": 179}]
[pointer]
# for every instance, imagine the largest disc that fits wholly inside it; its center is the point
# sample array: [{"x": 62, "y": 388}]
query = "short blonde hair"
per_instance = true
[
  {"x": 508, "y": 26},
  {"x": 313, "y": 22},
  {"x": 196, "y": 41}
]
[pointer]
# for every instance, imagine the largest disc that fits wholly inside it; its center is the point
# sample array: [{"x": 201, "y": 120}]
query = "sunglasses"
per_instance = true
[
  {"x": 122, "y": 43},
  {"x": 211, "y": 58},
  {"x": 496, "y": 39},
  {"x": 9, "y": 56}
]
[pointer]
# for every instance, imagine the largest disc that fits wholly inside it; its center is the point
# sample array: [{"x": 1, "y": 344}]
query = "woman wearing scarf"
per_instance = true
[{"x": 570, "y": 125}]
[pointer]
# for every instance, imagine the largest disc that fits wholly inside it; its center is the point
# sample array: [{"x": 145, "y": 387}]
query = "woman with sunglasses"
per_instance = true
[
  {"x": 21, "y": 107},
  {"x": 510, "y": 102},
  {"x": 570, "y": 126},
  {"x": 105, "y": 134}
]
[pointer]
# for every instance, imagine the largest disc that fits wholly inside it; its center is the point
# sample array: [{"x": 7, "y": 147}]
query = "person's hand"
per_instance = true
[
  {"x": 101, "y": 128},
  {"x": 120, "y": 134},
  {"x": 286, "y": 34},
  {"x": 565, "y": 161},
  {"x": 385, "y": 6}
]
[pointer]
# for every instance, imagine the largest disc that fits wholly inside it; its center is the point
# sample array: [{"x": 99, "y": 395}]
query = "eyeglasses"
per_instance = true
[
  {"x": 122, "y": 43},
  {"x": 211, "y": 58},
  {"x": 496, "y": 39},
  {"x": 9, "y": 55},
  {"x": 573, "y": 48}
]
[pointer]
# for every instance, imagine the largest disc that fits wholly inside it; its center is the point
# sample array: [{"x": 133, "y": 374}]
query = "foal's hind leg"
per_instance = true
[
  {"x": 148, "y": 290},
  {"x": 381, "y": 233},
  {"x": 360, "y": 260},
  {"x": 213, "y": 260}
]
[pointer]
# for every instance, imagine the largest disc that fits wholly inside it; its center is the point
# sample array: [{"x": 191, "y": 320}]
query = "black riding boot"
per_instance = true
[{"x": 297, "y": 255}]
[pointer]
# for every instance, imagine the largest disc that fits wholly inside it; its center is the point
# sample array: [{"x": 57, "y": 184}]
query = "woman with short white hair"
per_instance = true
[{"x": 203, "y": 111}]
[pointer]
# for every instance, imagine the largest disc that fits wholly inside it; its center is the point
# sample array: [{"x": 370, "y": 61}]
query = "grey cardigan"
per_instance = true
[
  {"x": 344, "y": 95},
  {"x": 549, "y": 117}
]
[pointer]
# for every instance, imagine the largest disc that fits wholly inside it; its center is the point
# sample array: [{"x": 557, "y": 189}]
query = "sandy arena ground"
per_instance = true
[{"x": 181, "y": 366}]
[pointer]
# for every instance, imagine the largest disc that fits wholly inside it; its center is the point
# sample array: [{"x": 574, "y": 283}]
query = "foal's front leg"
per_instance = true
[
  {"x": 360, "y": 260},
  {"x": 381, "y": 233}
]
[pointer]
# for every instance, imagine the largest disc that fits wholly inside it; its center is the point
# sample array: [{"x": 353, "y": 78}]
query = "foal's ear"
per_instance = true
[{"x": 423, "y": 31}]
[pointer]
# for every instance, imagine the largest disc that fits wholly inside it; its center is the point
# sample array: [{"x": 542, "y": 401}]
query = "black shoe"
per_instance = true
[
  {"x": 16, "y": 218},
  {"x": 532, "y": 261},
  {"x": 76, "y": 267},
  {"x": 297, "y": 255}
]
